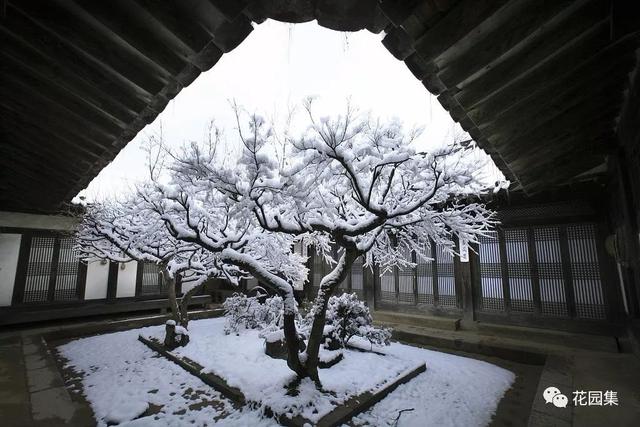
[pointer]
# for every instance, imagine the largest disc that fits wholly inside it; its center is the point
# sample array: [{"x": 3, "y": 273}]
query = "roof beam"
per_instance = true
[
  {"x": 46, "y": 68},
  {"x": 534, "y": 69},
  {"x": 50, "y": 88},
  {"x": 98, "y": 134},
  {"x": 35, "y": 39},
  {"x": 116, "y": 63},
  {"x": 527, "y": 23},
  {"x": 560, "y": 95},
  {"x": 467, "y": 19},
  {"x": 54, "y": 126},
  {"x": 558, "y": 117},
  {"x": 555, "y": 74}
]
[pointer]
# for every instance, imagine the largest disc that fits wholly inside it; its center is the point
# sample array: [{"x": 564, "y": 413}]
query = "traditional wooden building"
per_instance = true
[{"x": 549, "y": 89}]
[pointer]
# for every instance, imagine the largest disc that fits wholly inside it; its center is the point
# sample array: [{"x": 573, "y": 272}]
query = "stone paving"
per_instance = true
[{"x": 32, "y": 391}]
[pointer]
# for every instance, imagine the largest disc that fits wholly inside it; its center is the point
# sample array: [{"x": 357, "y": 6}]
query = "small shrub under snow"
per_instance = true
[
  {"x": 347, "y": 317},
  {"x": 242, "y": 312}
]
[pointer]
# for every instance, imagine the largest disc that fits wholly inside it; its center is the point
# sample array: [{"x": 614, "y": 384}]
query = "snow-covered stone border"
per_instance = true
[
  {"x": 339, "y": 415},
  {"x": 194, "y": 368},
  {"x": 357, "y": 404}
]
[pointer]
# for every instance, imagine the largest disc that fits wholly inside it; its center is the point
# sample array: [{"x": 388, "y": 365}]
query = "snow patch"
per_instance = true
[
  {"x": 275, "y": 336},
  {"x": 126, "y": 410}
]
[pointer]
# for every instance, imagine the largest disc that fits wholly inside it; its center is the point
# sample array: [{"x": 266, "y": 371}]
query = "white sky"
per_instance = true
[{"x": 277, "y": 66}]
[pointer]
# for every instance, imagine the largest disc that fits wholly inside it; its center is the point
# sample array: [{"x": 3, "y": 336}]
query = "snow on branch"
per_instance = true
[{"x": 347, "y": 181}]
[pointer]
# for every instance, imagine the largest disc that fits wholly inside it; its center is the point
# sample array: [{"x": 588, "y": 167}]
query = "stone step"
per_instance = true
[
  {"x": 523, "y": 350},
  {"x": 469, "y": 342},
  {"x": 425, "y": 321},
  {"x": 604, "y": 343}
]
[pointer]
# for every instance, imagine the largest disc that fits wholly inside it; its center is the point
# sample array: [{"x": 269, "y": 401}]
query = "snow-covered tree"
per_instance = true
[
  {"x": 126, "y": 230},
  {"x": 129, "y": 229},
  {"x": 347, "y": 183}
]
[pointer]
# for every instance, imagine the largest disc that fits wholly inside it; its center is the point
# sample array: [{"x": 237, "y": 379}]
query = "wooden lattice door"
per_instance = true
[{"x": 49, "y": 270}]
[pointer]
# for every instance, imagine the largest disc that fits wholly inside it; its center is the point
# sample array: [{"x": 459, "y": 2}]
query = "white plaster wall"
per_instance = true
[
  {"x": 127, "y": 279},
  {"x": 9, "y": 250},
  {"x": 97, "y": 277},
  {"x": 42, "y": 222}
]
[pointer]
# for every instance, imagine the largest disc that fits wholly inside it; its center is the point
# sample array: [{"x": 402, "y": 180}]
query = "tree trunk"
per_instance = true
[
  {"x": 171, "y": 293},
  {"x": 327, "y": 286},
  {"x": 290, "y": 331},
  {"x": 291, "y": 340},
  {"x": 184, "y": 304}
]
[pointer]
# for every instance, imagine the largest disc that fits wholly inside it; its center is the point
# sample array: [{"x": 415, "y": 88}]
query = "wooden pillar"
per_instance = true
[
  {"x": 629, "y": 228},
  {"x": 21, "y": 269},
  {"x": 139, "y": 274},
  {"x": 308, "y": 285},
  {"x": 396, "y": 276},
  {"x": 476, "y": 278},
  {"x": 178, "y": 285},
  {"x": 54, "y": 270},
  {"x": 112, "y": 281},
  {"x": 612, "y": 291},
  {"x": 464, "y": 284},
  {"x": 535, "y": 277},
  {"x": 567, "y": 273},
  {"x": 81, "y": 280},
  {"x": 414, "y": 260},
  {"x": 434, "y": 272},
  {"x": 370, "y": 286},
  {"x": 506, "y": 290}
]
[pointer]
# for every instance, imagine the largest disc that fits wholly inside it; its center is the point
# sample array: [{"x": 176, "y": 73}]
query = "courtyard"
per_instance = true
[{"x": 365, "y": 212}]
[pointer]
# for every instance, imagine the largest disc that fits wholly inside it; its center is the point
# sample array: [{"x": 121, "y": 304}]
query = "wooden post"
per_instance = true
[
  {"x": 372, "y": 284},
  {"x": 506, "y": 291},
  {"x": 415, "y": 277},
  {"x": 112, "y": 281},
  {"x": 349, "y": 278},
  {"x": 21, "y": 270},
  {"x": 51, "y": 294},
  {"x": 81, "y": 280},
  {"x": 533, "y": 264},
  {"x": 476, "y": 279},
  {"x": 396, "y": 283},
  {"x": 464, "y": 285},
  {"x": 612, "y": 292},
  {"x": 434, "y": 272},
  {"x": 139, "y": 274},
  {"x": 566, "y": 272},
  {"x": 179, "y": 285},
  {"x": 311, "y": 262},
  {"x": 396, "y": 276}
]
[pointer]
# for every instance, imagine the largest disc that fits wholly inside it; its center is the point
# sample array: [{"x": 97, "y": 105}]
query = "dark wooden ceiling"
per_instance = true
[{"x": 539, "y": 84}]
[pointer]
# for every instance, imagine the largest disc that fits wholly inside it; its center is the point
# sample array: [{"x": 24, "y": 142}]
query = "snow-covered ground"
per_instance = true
[
  {"x": 242, "y": 362},
  {"x": 122, "y": 377}
]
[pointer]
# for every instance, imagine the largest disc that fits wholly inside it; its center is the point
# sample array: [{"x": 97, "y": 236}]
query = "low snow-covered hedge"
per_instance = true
[
  {"x": 243, "y": 312},
  {"x": 347, "y": 317}
]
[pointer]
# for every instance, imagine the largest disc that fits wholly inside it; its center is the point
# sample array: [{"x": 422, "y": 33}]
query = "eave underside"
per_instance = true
[{"x": 539, "y": 85}]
